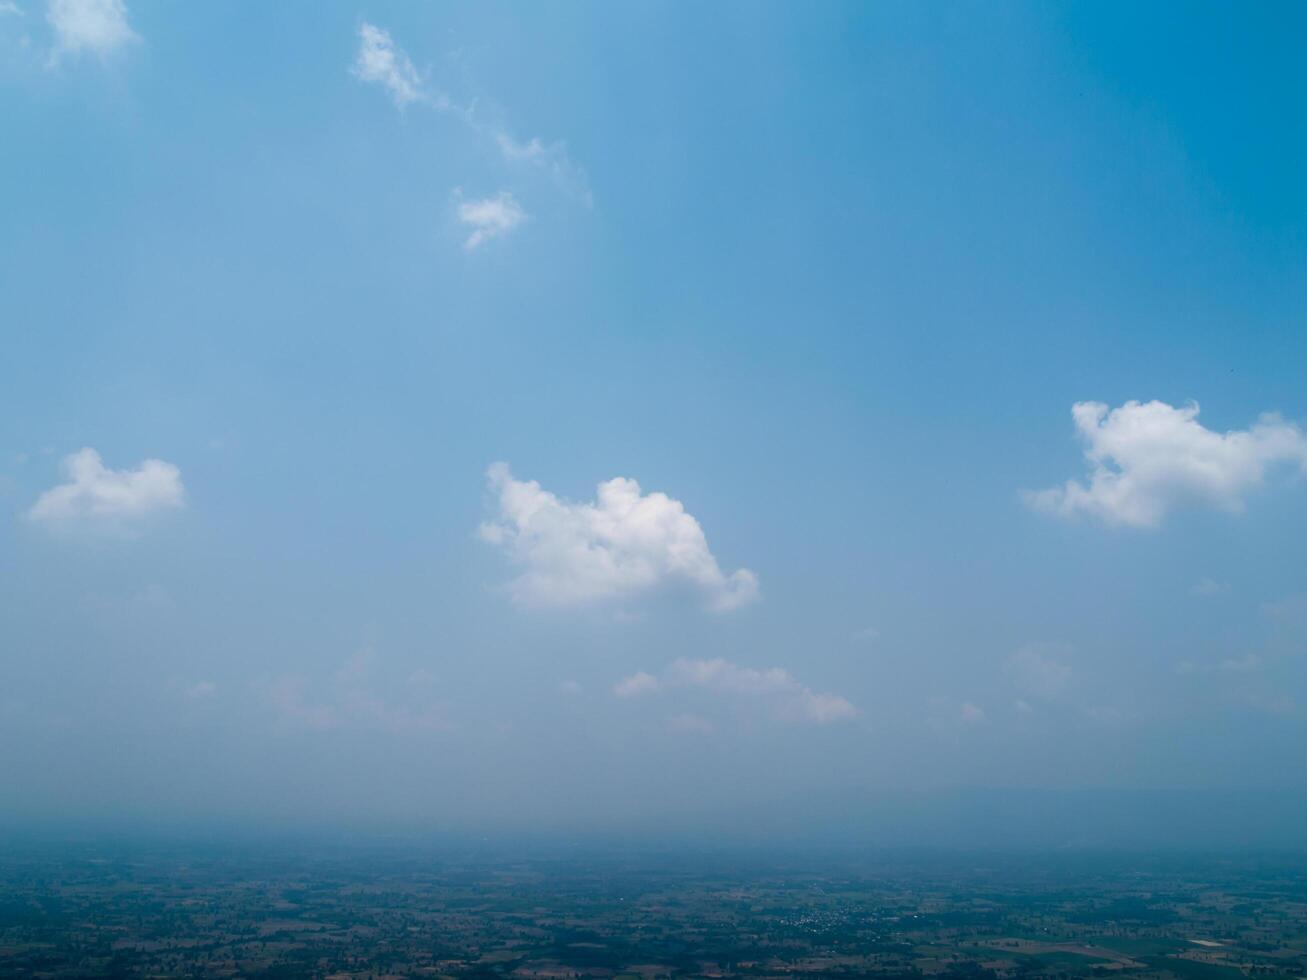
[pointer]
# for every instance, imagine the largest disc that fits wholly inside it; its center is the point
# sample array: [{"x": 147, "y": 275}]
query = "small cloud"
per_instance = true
[
  {"x": 489, "y": 217},
  {"x": 791, "y": 700},
  {"x": 95, "y": 493},
  {"x": 1036, "y": 672},
  {"x": 1146, "y": 459},
  {"x": 626, "y": 543},
  {"x": 1290, "y": 611},
  {"x": 551, "y": 157},
  {"x": 972, "y": 714},
  {"x": 1023, "y": 707},
  {"x": 349, "y": 699},
  {"x": 201, "y": 691},
  {"x": 1240, "y": 665},
  {"x": 420, "y": 678},
  {"x": 287, "y": 697},
  {"x": 97, "y": 26},
  {"x": 1207, "y": 587},
  {"x": 10, "y": 9},
  {"x": 1231, "y": 665},
  {"x": 689, "y": 725},
  {"x": 637, "y": 684},
  {"x": 570, "y": 689},
  {"x": 380, "y": 62},
  {"x": 867, "y": 634}
]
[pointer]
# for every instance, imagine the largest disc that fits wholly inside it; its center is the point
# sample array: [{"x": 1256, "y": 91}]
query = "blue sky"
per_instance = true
[{"x": 825, "y": 283}]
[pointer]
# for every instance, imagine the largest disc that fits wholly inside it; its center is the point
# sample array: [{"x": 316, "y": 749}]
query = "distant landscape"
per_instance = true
[{"x": 402, "y": 911}]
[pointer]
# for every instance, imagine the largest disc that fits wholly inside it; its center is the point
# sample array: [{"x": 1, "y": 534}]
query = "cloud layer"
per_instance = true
[
  {"x": 95, "y": 492},
  {"x": 624, "y": 544},
  {"x": 1147, "y": 458},
  {"x": 790, "y": 699}
]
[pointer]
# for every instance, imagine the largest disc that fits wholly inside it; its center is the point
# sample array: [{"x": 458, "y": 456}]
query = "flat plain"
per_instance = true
[{"x": 402, "y": 910}]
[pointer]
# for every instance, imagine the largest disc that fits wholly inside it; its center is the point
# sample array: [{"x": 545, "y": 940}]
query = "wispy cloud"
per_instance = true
[
  {"x": 1038, "y": 670},
  {"x": 380, "y": 61},
  {"x": 99, "y": 27},
  {"x": 201, "y": 691},
  {"x": 972, "y": 714},
  {"x": 1230, "y": 665},
  {"x": 551, "y": 157},
  {"x": 349, "y": 700},
  {"x": 687, "y": 724},
  {"x": 1208, "y": 587},
  {"x": 637, "y": 684},
  {"x": 489, "y": 217},
  {"x": 789, "y": 699},
  {"x": 1148, "y": 458}
]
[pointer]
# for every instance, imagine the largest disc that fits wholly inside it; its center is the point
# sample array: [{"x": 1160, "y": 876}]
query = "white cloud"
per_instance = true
[
  {"x": 570, "y": 688},
  {"x": 625, "y": 544},
  {"x": 637, "y": 684},
  {"x": 552, "y": 157},
  {"x": 1035, "y": 672},
  {"x": 790, "y": 699},
  {"x": 202, "y": 690},
  {"x": 380, "y": 62},
  {"x": 1147, "y": 458},
  {"x": 1210, "y": 587},
  {"x": 10, "y": 9},
  {"x": 489, "y": 217},
  {"x": 97, "y": 26},
  {"x": 96, "y": 493}
]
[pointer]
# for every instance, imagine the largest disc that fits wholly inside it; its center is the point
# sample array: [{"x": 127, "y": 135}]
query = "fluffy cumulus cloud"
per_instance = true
[
  {"x": 96, "y": 493},
  {"x": 489, "y": 217},
  {"x": 1147, "y": 458},
  {"x": 380, "y": 62},
  {"x": 625, "y": 544},
  {"x": 790, "y": 699},
  {"x": 96, "y": 26}
]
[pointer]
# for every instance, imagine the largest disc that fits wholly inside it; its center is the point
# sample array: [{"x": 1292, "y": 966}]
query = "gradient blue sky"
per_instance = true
[{"x": 830, "y": 276}]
